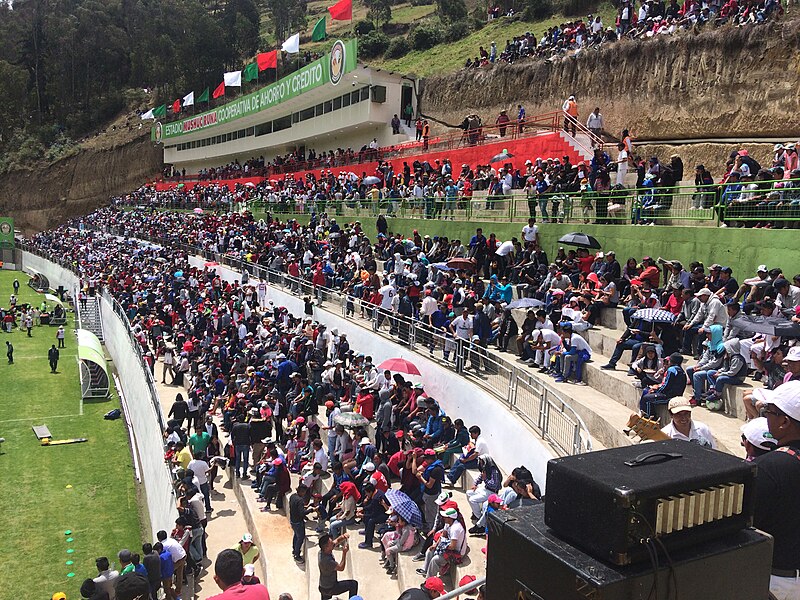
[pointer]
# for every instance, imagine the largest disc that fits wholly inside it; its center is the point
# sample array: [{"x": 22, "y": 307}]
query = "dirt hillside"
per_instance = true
[
  {"x": 43, "y": 198},
  {"x": 718, "y": 83}
]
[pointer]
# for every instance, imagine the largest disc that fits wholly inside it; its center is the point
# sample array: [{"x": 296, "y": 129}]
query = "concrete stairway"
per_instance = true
[
  {"x": 89, "y": 316},
  {"x": 611, "y": 396}
]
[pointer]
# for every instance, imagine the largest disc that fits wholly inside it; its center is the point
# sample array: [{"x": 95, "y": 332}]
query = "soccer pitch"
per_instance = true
[{"x": 87, "y": 489}]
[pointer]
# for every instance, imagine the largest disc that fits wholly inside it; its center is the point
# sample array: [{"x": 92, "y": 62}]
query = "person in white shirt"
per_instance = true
[
  {"x": 178, "y": 555},
  {"x": 461, "y": 326},
  {"x": 542, "y": 344},
  {"x": 622, "y": 164},
  {"x": 453, "y": 537},
  {"x": 106, "y": 577},
  {"x": 530, "y": 233},
  {"x": 575, "y": 351},
  {"x": 683, "y": 427},
  {"x": 595, "y": 122}
]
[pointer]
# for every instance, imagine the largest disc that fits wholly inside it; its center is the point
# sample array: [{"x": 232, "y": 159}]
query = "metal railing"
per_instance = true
[
  {"x": 554, "y": 420},
  {"x": 557, "y": 422},
  {"x": 485, "y": 134}
]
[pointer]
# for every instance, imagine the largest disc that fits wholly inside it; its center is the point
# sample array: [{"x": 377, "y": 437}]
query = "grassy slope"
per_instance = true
[
  {"x": 441, "y": 59},
  {"x": 100, "y": 508},
  {"x": 446, "y": 58}
]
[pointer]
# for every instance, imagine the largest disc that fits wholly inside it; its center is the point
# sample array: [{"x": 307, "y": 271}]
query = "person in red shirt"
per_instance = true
[
  {"x": 650, "y": 272},
  {"x": 228, "y": 573},
  {"x": 675, "y": 301}
]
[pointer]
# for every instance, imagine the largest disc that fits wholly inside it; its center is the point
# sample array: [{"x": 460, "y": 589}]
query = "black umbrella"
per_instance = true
[
  {"x": 767, "y": 325},
  {"x": 576, "y": 238}
]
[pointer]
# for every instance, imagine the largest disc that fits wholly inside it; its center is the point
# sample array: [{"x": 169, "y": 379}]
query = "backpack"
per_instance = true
[{"x": 113, "y": 415}]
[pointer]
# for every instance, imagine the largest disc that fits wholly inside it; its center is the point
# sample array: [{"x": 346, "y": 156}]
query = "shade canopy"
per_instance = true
[{"x": 93, "y": 367}]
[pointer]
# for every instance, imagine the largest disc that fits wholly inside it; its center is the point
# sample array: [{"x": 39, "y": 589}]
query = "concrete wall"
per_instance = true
[
  {"x": 511, "y": 442},
  {"x": 741, "y": 249},
  {"x": 145, "y": 423}
]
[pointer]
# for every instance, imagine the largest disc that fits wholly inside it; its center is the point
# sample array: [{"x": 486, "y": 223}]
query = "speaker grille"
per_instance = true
[{"x": 698, "y": 507}]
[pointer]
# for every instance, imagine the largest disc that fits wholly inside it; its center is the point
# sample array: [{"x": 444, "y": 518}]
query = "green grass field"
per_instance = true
[{"x": 100, "y": 507}]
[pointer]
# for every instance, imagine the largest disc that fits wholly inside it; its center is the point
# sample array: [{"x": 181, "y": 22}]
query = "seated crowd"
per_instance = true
[{"x": 651, "y": 18}]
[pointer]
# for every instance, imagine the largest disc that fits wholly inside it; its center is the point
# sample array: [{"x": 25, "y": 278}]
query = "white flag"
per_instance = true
[
  {"x": 148, "y": 115},
  {"x": 188, "y": 99},
  {"x": 292, "y": 45},
  {"x": 233, "y": 79}
]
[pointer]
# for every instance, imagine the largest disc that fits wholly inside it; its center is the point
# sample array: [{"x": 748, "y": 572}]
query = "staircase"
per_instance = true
[{"x": 89, "y": 316}]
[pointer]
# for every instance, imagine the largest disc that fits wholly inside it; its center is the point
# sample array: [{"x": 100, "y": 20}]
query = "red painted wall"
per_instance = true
[{"x": 547, "y": 145}]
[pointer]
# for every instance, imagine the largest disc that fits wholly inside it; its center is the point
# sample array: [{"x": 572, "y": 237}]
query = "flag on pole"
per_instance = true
[
  {"x": 342, "y": 10},
  {"x": 203, "y": 97},
  {"x": 188, "y": 100},
  {"x": 176, "y": 106},
  {"x": 319, "y": 32},
  {"x": 233, "y": 79},
  {"x": 148, "y": 115},
  {"x": 267, "y": 60},
  {"x": 220, "y": 91},
  {"x": 160, "y": 111},
  {"x": 292, "y": 45},
  {"x": 250, "y": 72}
]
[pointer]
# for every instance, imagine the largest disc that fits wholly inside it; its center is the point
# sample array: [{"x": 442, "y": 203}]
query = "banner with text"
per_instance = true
[
  {"x": 327, "y": 70},
  {"x": 6, "y": 232}
]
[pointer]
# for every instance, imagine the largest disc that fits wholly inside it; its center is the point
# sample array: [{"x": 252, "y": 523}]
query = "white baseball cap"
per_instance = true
[
  {"x": 786, "y": 397},
  {"x": 249, "y": 570},
  {"x": 762, "y": 269},
  {"x": 247, "y": 538},
  {"x": 677, "y": 405},
  {"x": 793, "y": 354},
  {"x": 756, "y": 431}
]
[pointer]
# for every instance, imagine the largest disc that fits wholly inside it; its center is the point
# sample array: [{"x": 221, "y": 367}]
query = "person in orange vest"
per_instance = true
[{"x": 570, "y": 109}]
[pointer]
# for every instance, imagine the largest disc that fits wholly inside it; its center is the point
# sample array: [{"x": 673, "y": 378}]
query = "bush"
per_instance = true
[
  {"x": 425, "y": 36},
  {"x": 457, "y": 31},
  {"x": 422, "y": 2},
  {"x": 398, "y": 47},
  {"x": 537, "y": 9},
  {"x": 373, "y": 44},
  {"x": 571, "y": 8},
  {"x": 364, "y": 27}
]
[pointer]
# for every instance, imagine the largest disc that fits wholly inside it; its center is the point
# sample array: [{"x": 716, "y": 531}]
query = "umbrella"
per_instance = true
[
  {"x": 404, "y": 506},
  {"x": 654, "y": 315},
  {"x": 198, "y": 211},
  {"x": 525, "y": 303},
  {"x": 443, "y": 267},
  {"x": 250, "y": 184},
  {"x": 371, "y": 180},
  {"x": 54, "y": 299},
  {"x": 577, "y": 238},
  {"x": 766, "y": 325},
  {"x": 211, "y": 263},
  {"x": 502, "y": 157},
  {"x": 351, "y": 420},
  {"x": 180, "y": 185},
  {"x": 178, "y": 273},
  {"x": 461, "y": 263},
  {"x": 399, "y": 365}
]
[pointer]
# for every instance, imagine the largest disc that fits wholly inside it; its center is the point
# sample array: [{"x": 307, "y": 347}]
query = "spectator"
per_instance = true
[
  {"x": 228, "y": 574},
  {"x": 329, "y": 584},
  {"x": 683, "y": 427}
]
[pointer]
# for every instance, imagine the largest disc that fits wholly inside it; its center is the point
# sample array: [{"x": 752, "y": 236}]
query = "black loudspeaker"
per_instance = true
[
  {"x": 609, "y": 502},
  {"x": 527, "y": 561}
]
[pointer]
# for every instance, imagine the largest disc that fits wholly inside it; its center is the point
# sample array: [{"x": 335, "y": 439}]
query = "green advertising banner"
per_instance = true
[
  {"x": 327, "y": 70},
  {"x": 6, "y": 232}
]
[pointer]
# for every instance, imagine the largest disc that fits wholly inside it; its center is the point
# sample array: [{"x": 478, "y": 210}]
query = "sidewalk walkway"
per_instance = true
[{"x": 227, "y": 523}]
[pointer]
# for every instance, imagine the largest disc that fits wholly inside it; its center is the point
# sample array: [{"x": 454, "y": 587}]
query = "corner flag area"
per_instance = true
[{"x": 64, "y": 505}]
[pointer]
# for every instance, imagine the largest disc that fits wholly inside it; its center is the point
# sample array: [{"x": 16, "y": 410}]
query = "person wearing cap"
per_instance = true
[
  {"x": 756, "y": 438},
  {"x": 430, "y": 474},
  {"x": 711, "y": 311},
  {"x": 249, "y": 577},
  {"x": 432, "y": 587},
  {"x": 732, "y": 372},
  {"x": 683, "y": 427},
  {"x": 788, "y": 295},
  {"x": 450, "y": 548},
  {"x": 248, "y": 550},
  {"x": 777, "y": 488},
  {"x": 672, "y": 386},
  {"x": 725, "y": 286},
  {"x": 230, "y": 573}
]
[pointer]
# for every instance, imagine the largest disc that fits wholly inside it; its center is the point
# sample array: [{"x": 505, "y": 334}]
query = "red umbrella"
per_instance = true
[
  {"x": 399, "y": 365},
  {"x": 466, "y": 264},
  {"x": 212, "y": 263}
]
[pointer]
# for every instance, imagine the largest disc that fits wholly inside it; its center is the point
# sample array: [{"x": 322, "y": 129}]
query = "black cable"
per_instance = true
[
  {"x": 672, "y": 573},
  {"x": 654, "y": 585}
]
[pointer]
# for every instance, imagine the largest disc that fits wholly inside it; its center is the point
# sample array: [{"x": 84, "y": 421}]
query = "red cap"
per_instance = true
[
  {"x": 399, "y": 434},
  {"x": 430, "y": 452},
  {"x": 434, "y": 584},
  {"x": 466, "y": 579}
]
